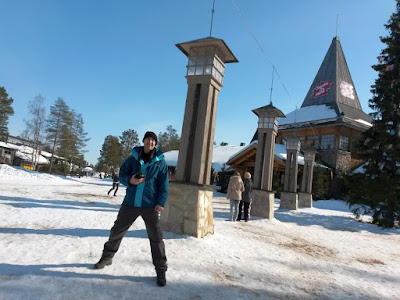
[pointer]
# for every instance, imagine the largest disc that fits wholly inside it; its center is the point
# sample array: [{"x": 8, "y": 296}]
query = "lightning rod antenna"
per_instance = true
[
  {"x": 272, "y": 85},
  {"x": 212, "y": 17}
]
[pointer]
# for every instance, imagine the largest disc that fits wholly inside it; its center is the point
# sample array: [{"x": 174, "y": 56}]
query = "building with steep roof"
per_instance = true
[{"x": 330, "y": 119}]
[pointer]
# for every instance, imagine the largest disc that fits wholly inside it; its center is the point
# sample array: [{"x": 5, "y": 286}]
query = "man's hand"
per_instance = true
[
  {"x": 133, "y": 180},
  {"x": 158, "y": 208}
]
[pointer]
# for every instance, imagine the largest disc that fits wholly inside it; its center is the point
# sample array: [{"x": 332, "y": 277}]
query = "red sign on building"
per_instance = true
[{"x": 321, "y": 89}]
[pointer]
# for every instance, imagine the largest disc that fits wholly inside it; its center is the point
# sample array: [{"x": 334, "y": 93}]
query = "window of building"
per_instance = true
[
  {"x": 344, "y": 143},
  {"x": 313, "y": 141},
  {"x": 327, "y": 141},
  {"x": 312, "y": 137}
]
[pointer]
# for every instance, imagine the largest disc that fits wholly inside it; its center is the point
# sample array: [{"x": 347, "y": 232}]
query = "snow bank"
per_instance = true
[{"x": 11, "y": 173}]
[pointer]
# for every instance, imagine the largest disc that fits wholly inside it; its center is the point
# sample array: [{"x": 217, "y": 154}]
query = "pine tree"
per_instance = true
[
  {"x": 129, "y": 139},
  {"x": 110, "y": 154},
  {"x": 168, "y": 140},
  {"x": 379, "y": 189},
  {"x": 80, "y": 135},
  {"x": 72, "y": 137},
  {"x": 6, "y": 111},
  {"x": 55, "y": 123}
]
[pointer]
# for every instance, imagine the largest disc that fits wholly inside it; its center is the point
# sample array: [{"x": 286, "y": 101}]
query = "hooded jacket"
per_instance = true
[
  {"x": 154, "y": 189},
  {"x": 248, "y": 187},
  {"x": 235, "y": 188}
]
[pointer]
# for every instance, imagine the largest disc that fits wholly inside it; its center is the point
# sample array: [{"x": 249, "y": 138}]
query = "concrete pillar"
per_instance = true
[
  {"x": 289, "y": 197},
  {"x": 197, "y": 139},
  {"x": 305, "y": 195},
  {"x": 189, "y": 207},
  {"x": 263, "y": 196}
]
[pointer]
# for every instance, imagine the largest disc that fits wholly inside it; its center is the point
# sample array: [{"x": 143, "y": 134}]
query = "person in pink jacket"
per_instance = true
[{"x": 234, "y": 194}]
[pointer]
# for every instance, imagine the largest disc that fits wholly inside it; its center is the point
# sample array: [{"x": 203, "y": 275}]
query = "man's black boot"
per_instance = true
[
  {"x": 161, "y": 279},
  {"x": 104, "y": 261}
]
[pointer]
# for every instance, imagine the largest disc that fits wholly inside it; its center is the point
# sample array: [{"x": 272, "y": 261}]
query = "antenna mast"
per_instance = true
[
  {"x": 272, "y": 85},
  {"x": 337, "y": 23},
  {"x": 212, "y": 17}
]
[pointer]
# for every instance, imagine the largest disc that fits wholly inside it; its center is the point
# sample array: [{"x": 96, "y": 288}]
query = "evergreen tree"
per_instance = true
[
  {"x": 110, "y": 154},
  {"x": 162, "y": 141},
  {"x": 80, "y": 161},
  {"x": 55, "y": 123},
  {"x": 73, "y": 138},
  {"x": 168, "y": 140},
  {"x": 129, "y": 139},
  {"x": 80, "y": 136},
  {"x": 379, "y": 189},
  {"x": 6, "y": 111},
  {"x": 321, "y": 182}
]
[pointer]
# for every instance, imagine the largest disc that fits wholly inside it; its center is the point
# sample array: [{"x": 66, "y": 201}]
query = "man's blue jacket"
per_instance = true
[{"x": 154, "y": 189}]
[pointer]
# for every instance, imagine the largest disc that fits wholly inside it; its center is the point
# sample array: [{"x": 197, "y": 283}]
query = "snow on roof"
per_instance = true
[
  {"x": 48, "y": 155},
  {"x": 8, "y": 145},
  {"x": 280, "y": 152},
  {"x": 243, "y": 149},
  {"x": 363, "y": 122},
  {"x": 221, "y": 155},
  {"x": 25, "y": 153},
  {"x": 87, "y": 169},
  {"x": 28, "y": 157},
  {"x": 309, "y": 113},
  {"x": 171, "y": 157}
]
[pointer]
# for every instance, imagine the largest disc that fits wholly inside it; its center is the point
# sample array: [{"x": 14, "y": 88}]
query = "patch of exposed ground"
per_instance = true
[{"x": 370, "y": 261}]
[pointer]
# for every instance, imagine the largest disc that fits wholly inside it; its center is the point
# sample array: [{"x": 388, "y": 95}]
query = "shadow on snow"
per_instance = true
[{"x": 59, "y": 204}]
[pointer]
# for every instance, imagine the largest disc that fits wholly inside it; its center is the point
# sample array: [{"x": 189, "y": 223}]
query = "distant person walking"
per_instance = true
[
  {"x": 234, "y": 194},
  {"x": 115, "y": 177},
  {"x": 246, "y": 198},
  {"x": 145, "y": 174}
]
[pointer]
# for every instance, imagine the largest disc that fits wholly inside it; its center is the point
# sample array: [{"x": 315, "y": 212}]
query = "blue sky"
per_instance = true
[{"x": 116, "y": 62}]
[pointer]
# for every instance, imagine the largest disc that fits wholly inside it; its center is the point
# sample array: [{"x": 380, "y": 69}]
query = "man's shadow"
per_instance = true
[{"x": 46, "y": 270}]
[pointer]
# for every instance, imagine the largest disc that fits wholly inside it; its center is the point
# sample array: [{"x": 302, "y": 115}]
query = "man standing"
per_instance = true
[{"x": 145, "y": 173}]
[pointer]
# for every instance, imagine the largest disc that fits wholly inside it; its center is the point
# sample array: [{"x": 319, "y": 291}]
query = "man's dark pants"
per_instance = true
[{"x": 126, "y": 216}]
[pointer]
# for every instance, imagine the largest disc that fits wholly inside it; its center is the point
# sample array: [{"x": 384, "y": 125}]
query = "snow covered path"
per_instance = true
[{"x": 52, "y": 231}]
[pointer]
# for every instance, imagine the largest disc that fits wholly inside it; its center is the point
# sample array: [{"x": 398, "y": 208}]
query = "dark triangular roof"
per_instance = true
[{"x": 334, "y": 87}]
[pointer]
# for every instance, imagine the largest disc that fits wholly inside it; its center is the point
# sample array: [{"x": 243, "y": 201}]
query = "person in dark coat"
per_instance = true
[
  {"x": 115, "y": 177},
  {"x": 246, "y": 198},
  {"x": 145, "y": 173}
]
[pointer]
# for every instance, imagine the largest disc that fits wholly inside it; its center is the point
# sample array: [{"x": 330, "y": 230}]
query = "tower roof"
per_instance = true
[
  {"x": 268, "y": 111},
  {"x": 334, "y": 87},
  {"x": 209, "y": 41}
]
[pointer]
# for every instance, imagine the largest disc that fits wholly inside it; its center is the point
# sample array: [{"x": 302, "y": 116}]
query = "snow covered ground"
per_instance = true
[{"x": 52, "y": 231}]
